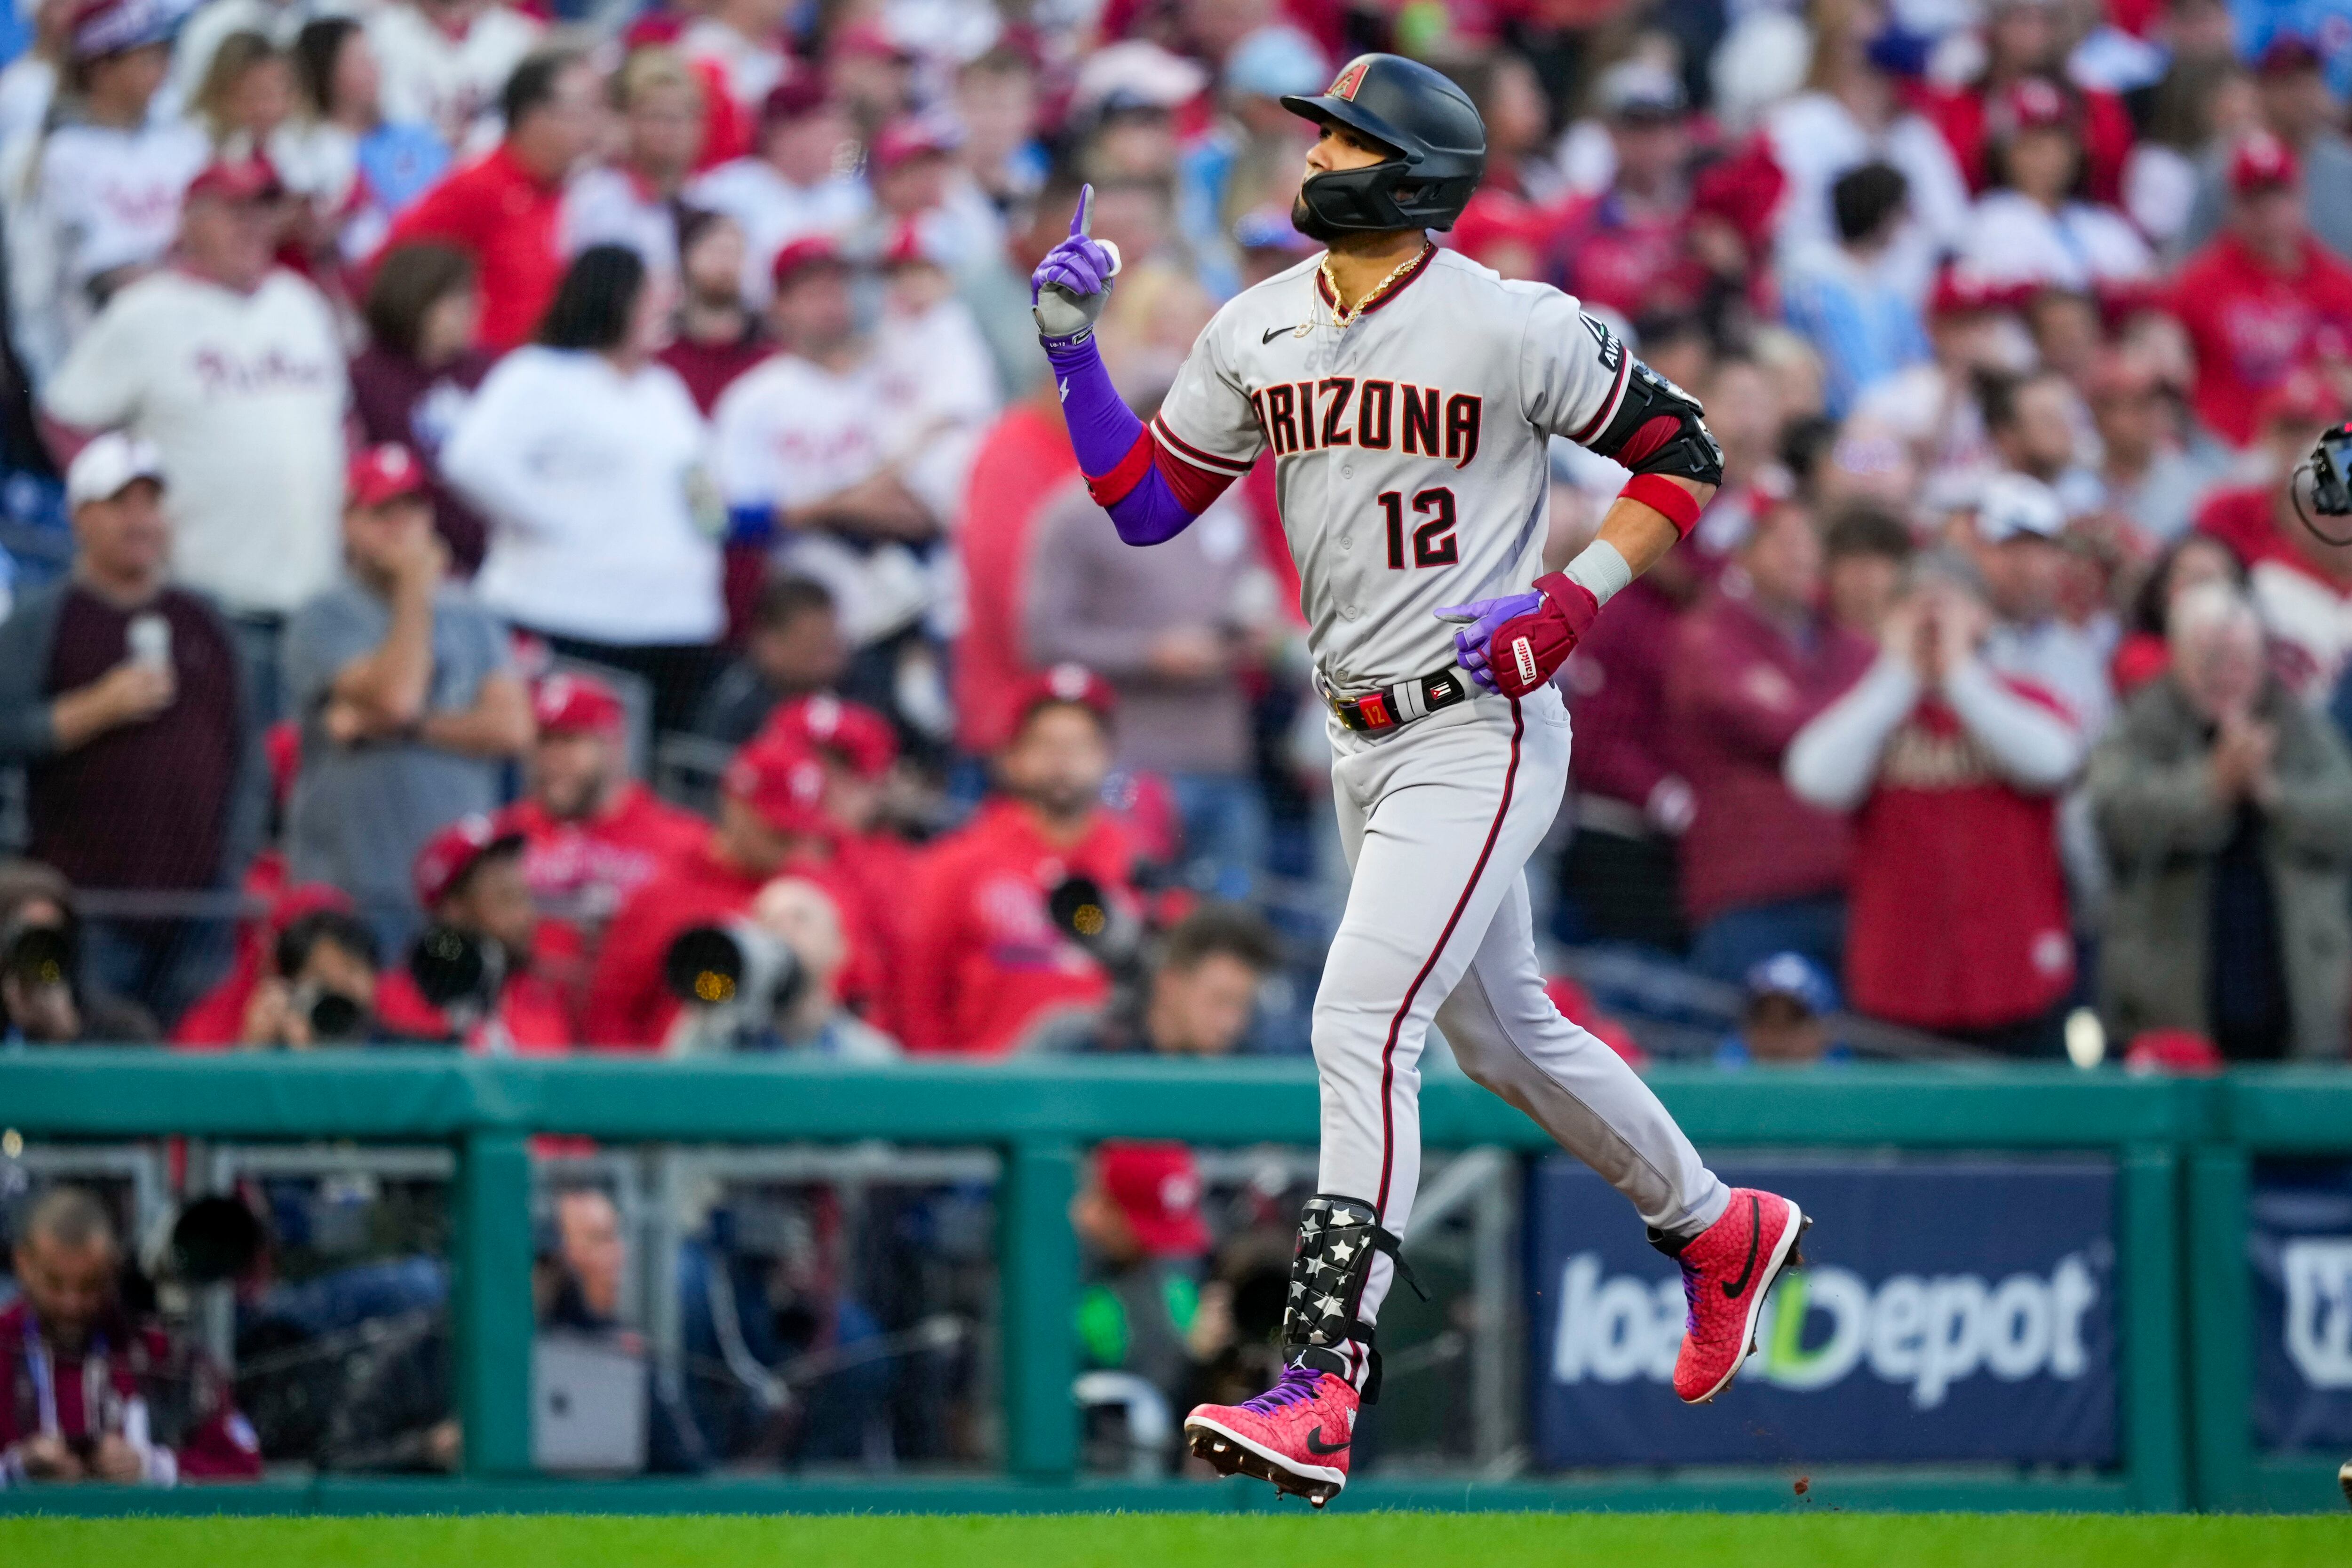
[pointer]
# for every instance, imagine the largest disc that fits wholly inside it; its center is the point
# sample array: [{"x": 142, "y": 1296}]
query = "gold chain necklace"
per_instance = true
[{"x": 1343, "y": 319}]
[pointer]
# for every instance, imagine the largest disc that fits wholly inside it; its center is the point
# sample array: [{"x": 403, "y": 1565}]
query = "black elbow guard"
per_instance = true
[{"x": 1658, "y": 428}]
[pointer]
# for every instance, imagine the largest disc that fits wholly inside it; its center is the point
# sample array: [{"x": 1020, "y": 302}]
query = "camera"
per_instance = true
[
  {"x": 2331, "y": 472},
  {"x": 334, "y": 1018},
  {"x": 37, "y": 955},
  {"x": 739, "y": 983}
]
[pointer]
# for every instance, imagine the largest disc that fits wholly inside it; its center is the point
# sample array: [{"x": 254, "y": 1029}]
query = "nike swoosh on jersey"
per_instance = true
[{"x": 1271, "y": 333}]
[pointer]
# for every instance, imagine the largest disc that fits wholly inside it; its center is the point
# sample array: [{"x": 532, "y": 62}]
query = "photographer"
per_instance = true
[
  {"x": 43, "y": 997},
  {"x": 1201, "y": 996},
  {"x": 324, "y": 992},
  {"x": 784, "y": 973},
  {"x": 986, "y": 962},
  {"x": 88, "y": 1393},
  {"x": 472, "y": 975}
]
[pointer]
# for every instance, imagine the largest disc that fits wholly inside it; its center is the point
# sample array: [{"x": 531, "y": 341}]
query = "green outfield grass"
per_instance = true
[{"x": 1144, "y": 1540}]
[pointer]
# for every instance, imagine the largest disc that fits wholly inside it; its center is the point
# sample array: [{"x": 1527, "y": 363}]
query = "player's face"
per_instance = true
[{"x": 1339, "y": 149}]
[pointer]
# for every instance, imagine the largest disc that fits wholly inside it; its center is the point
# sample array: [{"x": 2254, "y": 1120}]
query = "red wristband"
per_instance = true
[{"x": 1662, "y": 494}]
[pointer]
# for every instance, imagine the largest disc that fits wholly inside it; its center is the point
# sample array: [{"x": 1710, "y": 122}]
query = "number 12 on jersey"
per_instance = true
[{"x": 1433, "y": 541}]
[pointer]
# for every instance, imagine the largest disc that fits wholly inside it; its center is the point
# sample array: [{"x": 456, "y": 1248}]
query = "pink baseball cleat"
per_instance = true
[
  {"x": 1727, "y": 1270},
  {"x": 1295, "y": 1435}
]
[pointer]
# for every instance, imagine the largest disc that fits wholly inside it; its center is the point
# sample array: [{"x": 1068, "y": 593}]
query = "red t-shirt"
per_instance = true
[
  {"x": 1635, "y": 265},
  {"x": 581, "y": 871},
  {"x": 122, "y": 1364},
  {"x": 509, "y": 221},
  {"x": 2106, "y": 137},
  {"x": 984, "y": 959},
  {"x": 1956, "y": 915},
  {"x": 2252, "y": 326},
  {"x": 1023, "y": 460},
  {"x": 709, "y": 369}
]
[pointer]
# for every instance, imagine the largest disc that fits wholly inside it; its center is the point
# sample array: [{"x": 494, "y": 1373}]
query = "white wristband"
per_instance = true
[{"x": 1600, "y": 570}]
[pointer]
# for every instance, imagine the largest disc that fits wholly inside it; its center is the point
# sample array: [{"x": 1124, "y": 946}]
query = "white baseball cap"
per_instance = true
[
  {"x": 2010, "y": 505},
  {"x": 109, "y": 465}
]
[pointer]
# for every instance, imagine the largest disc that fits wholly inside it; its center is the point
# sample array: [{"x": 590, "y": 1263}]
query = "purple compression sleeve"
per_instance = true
[{"x": 1103, "y": 431}]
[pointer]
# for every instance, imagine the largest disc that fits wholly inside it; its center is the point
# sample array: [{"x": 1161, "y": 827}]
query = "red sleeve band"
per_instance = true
[
  {"x": 1195, "y": 488},
  {"x": 1112, "y": 488},
  {"x": 1662, "y": 494}
]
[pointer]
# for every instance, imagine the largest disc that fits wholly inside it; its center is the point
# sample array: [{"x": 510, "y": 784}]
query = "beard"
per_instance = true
[{"x": 1308, "y": 222}]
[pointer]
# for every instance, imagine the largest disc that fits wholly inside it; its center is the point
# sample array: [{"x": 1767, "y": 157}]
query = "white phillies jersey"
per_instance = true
[{"x": 1409, "y": 446}]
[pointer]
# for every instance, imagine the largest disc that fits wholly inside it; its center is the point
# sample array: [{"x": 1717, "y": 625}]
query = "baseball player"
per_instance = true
[{"x": 1408, "y": 396}]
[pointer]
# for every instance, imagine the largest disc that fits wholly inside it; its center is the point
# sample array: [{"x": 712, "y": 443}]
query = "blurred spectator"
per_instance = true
[
  {"x": 1628, "y": 249},
  {"x": 2226, "y": 808},
  {"x": 743, "y": 41},
  {"x": 355, "y": 163},
  {"x": 1783, "y": 1016},
  {"x": 418, "y": 373},
  {"x": 2037, "y": 425},
  {"x": 2298, "y": 108},
  {"x": 793, "y": 185},
  {"x": 2027, "y": 41},
  {"x": 329, "y": 972},
  {"x": 803, "y": 918},
  {"x": 986, "y": 962},
  {"x": 408, "y": 703},
  {"x": 577, "y": 1286},
  {"x": 2301, "y": 583},
  {"x": 2151, "y": 474},
  {"x": 996, "y": 104},
  {"x": 28, "y": 84},
  {"x": 1249, "y": 156},
  {"x": 217, "y": 1017},
  {"x": 634, "y": 201},
  {"x": 1852, "y": 112},
  {"x": 1202, "y": 993},
  {"x": 121, "y": 696},
  {"x": 1762, "y": 871},
  {"x": 1023, "y": 459},
  {"x": 858, "y": 750},
  {"x": 1143, "y": 1311},
  {"x": 94, "y": 197},
  {"x": 2146, "y": 652},
  {"x": 234, "y": 368},
  {"x": 1957, "y": 903},
  {"x": 1865, "y": 325},
  {"x": 45, "y": 996},
  {"x": 2033, "y": 226},
  {"x": 476, "y": 974},
  {"x": 2262, "y": 295},
  {"x": 930, "y": 346},
  {"x": 1866, "y": 551},
  {"x": 816, "y": 452},
  {"x": 1173, "y": 630},
  {"x": 94, "y": 1394},
  {"x": 591, "y": 836},
  {"x": 587, "y": 456},
  {"x": 793, "y": 649},
  {"x": 2016, "y": 541},
  {"x": 1632, "y": 798},
  {"x": 770, "y": 824},
  {"x": 506, "y": 209},
  {"x": 449, "y": 64},
  {"x": 717, "y": 338}
]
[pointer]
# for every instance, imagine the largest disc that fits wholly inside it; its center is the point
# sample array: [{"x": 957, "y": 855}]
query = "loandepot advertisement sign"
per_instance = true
[
  {"x": 1951, "y": 1309},
  {"x": 2299, "y": 1243}
]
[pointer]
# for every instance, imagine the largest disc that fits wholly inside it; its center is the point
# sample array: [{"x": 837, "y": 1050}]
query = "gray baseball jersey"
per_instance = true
[{"x": 1409, "y": 446}]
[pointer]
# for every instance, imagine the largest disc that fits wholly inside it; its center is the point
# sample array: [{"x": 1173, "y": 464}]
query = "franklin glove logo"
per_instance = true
[{"x": 1523, "y": 654}]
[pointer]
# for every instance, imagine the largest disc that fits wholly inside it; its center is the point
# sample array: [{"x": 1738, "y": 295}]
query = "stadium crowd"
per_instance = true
[{"x": 496, "y": 490}]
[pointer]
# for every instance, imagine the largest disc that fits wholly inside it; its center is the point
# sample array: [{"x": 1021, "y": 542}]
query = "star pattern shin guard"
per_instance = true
[{"x": 1321, "y": 1328}]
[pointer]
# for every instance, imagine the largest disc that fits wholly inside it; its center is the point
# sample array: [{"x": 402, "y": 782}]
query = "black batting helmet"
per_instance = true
[{"x": 1430, "y": 124}]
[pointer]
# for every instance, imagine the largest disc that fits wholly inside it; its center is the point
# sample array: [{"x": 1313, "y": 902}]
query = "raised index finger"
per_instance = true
[{"x": 1082, "y": 221}]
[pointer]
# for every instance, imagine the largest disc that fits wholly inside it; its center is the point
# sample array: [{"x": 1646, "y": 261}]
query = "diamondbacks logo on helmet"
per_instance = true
[{"x": 1348, "y": 81}]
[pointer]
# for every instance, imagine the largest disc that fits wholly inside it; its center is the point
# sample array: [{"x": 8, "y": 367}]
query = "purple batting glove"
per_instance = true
[
  {"x": 1472, "y": 643},
  {"x": 1068, "y": 291}
]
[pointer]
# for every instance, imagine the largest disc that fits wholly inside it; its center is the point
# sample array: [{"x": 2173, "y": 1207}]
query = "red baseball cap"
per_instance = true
[
  {"x": 800, "y": 94},
  {"x": 453, "y": 851},
  {"x": 2289, "y": 54},
  {"x": 904, "y": 141},
  {"x": 2261, "y": 162},
  {"x": 1073, "y": 683},
  {"x": 567, "y": 701},
  {"x": 1156, "y": 1188},
  {"x": 2174, "y": 1051},
  {"x": 2035, "y": 103},
  {"x": 781, "y": 781},
  {"x": 1960, "y": 291},
  {"x": 850, "y": 731},
  {"x": 252, "y": 178},
  {"x": 383, "y": 473},
  {"x": 811, "y": 250},
  {"x": 867, "y": 40}
]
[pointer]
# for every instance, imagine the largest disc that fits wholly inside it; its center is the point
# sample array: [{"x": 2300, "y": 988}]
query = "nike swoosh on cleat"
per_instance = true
[
  {"x": 1316, "y": 1445},
  {"x": 1270, "y": 334},
  {"x": 1755, "y": 1228}
]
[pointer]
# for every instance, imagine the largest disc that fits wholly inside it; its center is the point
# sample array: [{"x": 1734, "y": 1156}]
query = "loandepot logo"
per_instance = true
[{"x": 1822, "y": 1325}]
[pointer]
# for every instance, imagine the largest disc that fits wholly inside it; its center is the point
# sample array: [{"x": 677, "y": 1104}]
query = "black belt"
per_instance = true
[{"x": 1402, "y": 703}]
